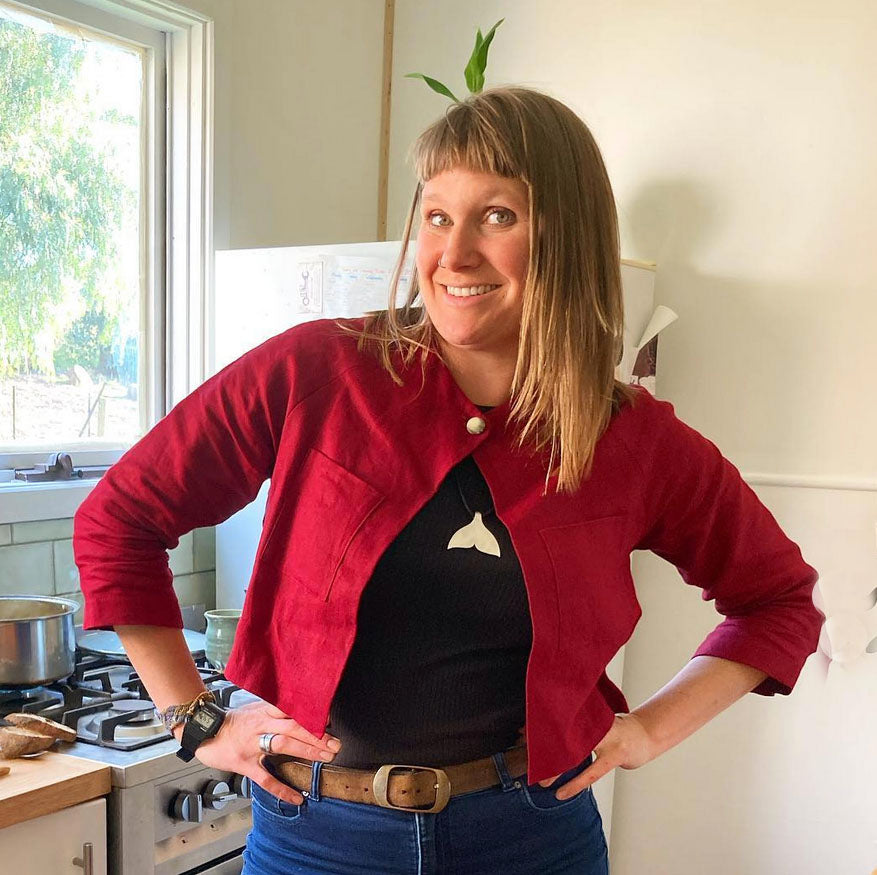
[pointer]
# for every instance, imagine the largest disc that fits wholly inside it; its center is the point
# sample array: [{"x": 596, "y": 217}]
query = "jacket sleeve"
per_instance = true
[
  {"x": 703, "y": 517},
  {"x": 205, "y": 460}
]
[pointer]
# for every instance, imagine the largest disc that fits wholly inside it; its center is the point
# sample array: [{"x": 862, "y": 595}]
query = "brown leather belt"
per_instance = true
[{"x": 422, "y": 789}]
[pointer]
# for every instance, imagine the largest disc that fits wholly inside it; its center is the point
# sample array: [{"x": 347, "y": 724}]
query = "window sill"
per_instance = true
[{"x": 30, "y": 502}]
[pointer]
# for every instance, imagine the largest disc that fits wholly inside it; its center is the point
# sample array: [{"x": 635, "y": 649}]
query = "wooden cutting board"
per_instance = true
[{"x": 47, "y": 783}]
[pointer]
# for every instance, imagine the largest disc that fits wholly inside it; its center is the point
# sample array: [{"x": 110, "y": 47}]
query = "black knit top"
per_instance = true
[{"x": 436, "y": 673}]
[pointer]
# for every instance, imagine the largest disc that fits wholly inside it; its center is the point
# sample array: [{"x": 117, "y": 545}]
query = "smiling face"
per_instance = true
[{"x": 472, "y": 257}]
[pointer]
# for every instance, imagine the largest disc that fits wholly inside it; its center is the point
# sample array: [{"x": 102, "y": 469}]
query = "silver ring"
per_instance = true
[{"x": 265, "y": 740}]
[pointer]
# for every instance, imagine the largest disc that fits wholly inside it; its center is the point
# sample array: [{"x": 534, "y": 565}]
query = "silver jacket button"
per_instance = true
[{"x": 475, "y": 425}]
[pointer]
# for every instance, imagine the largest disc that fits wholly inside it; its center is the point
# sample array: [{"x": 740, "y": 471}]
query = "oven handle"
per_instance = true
[
  {"x": 230, "y": 866},
  {"x": 86, "y": 861}
]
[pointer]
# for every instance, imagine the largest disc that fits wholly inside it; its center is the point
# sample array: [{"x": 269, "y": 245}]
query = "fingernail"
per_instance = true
[
  {"x": 327, "y": 755},
  {"x": 333, "y": 744}
]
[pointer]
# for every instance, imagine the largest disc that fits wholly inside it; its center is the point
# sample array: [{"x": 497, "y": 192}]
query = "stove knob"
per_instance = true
[
  {"x": 243, "y": 786},
  {"x": 187, "y": 806},
  {"x": 217, "y": 794}
]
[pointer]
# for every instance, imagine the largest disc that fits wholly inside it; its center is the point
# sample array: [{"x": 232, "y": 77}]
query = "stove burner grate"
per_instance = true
[{"x": 105, "y": 701}]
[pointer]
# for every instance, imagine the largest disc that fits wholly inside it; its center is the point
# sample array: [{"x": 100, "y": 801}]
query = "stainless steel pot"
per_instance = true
[{"x": 37, "y": 641}]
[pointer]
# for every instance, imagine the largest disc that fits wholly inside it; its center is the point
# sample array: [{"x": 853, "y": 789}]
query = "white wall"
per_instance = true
[
  {"x": 298, "y": 97},
  {"x": 740, "y": 141}
]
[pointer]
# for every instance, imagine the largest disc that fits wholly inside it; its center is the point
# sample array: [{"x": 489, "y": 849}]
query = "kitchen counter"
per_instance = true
[{"x": 47, "y": 783}]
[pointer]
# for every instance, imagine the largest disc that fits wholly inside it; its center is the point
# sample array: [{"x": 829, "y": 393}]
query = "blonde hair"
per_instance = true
[{"x": 564, "y": 390}]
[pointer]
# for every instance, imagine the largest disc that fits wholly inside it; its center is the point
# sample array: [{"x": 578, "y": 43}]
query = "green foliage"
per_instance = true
[
  {"x": 474, "y": 72},
  {"x": 434, "y": 84},
  {"x": 59, "y": 199},
  {"x": 88, "y": 342}
]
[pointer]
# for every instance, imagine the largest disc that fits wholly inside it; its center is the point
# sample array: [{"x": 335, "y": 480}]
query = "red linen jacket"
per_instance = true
[{"x": 352, "y": 457}]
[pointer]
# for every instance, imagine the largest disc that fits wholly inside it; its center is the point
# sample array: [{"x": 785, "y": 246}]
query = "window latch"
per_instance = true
[{"x": 59, "y": 466}]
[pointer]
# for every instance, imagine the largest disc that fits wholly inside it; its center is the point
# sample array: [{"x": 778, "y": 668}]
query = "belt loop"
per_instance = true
[
  {"x": 315, "y": 780},
  {"x": 508, "y": 782}
]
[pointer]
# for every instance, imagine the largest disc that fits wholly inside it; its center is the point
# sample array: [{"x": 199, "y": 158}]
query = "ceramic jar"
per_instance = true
[{"x": 221, "y": 627}]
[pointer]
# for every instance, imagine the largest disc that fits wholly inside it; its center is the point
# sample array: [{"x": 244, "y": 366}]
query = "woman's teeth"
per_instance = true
[{"x": 469, "y": 291}]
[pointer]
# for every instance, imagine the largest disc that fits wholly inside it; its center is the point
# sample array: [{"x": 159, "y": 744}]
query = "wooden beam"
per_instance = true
[{"x": 386, "y": 102}]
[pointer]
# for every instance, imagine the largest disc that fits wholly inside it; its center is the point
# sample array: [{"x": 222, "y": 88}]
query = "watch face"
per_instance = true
[{"x": 204, "y": 718}]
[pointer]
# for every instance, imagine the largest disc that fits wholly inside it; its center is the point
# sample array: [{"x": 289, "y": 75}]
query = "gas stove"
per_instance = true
[
  {"x": 165, "y": 816},
  {"x": 106, "y": 703}
]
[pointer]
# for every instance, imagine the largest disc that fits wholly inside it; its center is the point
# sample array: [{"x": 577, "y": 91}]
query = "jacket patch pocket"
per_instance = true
[
  {"x": 319, "y": 518},
  {"x": 595, "y": 595}
]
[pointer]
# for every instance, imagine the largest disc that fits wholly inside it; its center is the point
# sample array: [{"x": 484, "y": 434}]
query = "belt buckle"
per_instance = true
[{"x": 442, "y": 788}]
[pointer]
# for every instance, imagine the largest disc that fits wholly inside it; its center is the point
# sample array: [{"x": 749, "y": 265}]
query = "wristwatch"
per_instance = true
[{"x": 201, "y": 724}]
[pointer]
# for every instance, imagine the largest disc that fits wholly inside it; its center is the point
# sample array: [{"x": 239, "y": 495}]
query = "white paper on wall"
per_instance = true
[
  {"x": 356, "y": 284},
  {"x": 639, "y": 362},
  {"x": 849, "y": 632},
  {"x": 643, "y": 322}
]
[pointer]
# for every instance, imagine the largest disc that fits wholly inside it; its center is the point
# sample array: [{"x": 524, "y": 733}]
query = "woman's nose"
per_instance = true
[{"x": 461, "y": 250}]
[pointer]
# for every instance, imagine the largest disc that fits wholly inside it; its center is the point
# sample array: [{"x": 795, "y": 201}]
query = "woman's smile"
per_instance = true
[{"x": 469, "y": 291}]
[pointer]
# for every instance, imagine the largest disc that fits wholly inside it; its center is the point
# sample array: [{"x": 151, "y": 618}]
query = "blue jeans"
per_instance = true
[{"x": 510, "y": 829}]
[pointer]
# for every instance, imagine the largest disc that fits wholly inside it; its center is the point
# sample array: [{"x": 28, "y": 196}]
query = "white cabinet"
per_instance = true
[{"x": 49, "y": 844}]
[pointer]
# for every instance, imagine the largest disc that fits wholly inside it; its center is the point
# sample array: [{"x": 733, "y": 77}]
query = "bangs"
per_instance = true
[{"x": 466, "y": 137}]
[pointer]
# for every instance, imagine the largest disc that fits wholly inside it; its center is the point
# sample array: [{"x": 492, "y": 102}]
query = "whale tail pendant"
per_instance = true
[{"x": 476, "y": 535}]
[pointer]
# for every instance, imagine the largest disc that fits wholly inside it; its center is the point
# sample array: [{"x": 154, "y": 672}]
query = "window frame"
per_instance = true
[{"x": 177, "y": 209}]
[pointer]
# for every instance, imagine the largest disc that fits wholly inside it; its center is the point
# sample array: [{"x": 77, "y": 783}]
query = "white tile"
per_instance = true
[
  {"x": 5, "y": 535},
  {"x": 45, "y": 530},
  {"x": 181, "y": 557},
  {"x": 196, "y": 589},
  {"x": 66, "y": 572},
  {"x": 205, "y": 549},
  {"x": 27, "y": 569}
]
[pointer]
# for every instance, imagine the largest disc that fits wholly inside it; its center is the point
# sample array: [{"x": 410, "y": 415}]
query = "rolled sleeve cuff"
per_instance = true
[
  {"x": 781, "y": 659},
  {"x": 106, "y": 611}
]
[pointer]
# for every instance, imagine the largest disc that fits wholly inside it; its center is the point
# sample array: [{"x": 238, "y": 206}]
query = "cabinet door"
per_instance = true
[{"x": 50, "y": 843}]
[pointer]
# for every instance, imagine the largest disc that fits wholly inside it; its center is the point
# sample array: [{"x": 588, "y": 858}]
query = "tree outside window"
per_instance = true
[{"x": 70, "y": 248}]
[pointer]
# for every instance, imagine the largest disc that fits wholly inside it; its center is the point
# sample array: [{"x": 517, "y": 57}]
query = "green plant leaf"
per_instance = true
[
  {"x": 471, "y": 72},
  {"x": 480, "y": 57},
  {"x": 434, "y": 84}
]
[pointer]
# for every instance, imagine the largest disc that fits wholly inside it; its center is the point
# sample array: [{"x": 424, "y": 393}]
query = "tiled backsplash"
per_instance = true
[{"x": 37, "y": 559}]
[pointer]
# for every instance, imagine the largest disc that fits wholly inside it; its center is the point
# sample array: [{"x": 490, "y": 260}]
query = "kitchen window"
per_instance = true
[{"x": 105, "y": 235}]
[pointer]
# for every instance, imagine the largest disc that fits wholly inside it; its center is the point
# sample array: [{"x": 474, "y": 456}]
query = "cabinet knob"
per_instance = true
[
  {"x": 86, "y": 861},
  {"x": 187, "y": 806}
]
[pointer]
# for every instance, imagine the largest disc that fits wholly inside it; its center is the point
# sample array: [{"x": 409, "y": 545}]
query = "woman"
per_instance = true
[{"x": 444, "y": 572}]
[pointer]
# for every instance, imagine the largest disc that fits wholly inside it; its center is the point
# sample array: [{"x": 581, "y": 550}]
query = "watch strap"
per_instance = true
[
  {"x": 186, "y": 755},
  {"x": 174, "y": 715}
]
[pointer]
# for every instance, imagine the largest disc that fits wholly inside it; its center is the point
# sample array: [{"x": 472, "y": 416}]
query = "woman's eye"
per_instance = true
[
  {"x": 437, "y": 219},
  {"x": 500, "y": 216}
]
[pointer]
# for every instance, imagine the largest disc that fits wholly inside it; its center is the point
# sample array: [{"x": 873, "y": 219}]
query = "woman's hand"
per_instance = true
[
  {"x": 235, "y": 748},
  {"x": 627, "y": 744}
]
